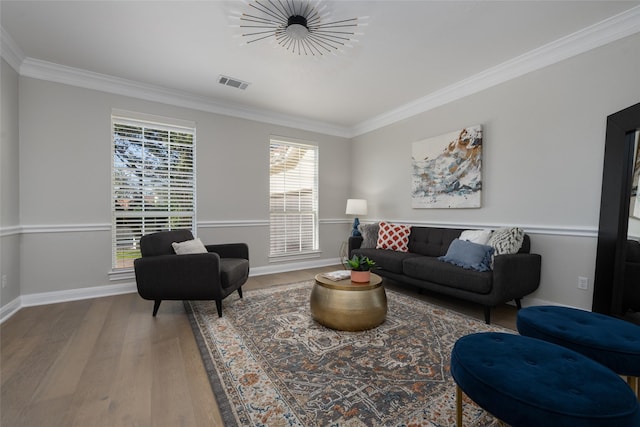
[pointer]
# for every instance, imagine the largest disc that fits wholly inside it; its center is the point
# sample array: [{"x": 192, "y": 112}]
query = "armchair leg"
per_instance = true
[
  {"x": 240, "y": 292},
  {"x": 219, "y": 307},
  {"x": 156, "y": 306},
  {"x": 487, "y": 314},
  {"x": 518, "y": 303}
]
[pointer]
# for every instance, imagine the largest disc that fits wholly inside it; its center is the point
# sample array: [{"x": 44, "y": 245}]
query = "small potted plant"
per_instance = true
[{"x": 361, "y": 267}]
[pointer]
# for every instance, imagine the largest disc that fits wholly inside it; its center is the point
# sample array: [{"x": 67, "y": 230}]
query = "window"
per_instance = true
[
  {"x": 153, "y": 182},
  {"x": 293, "y": 198}
]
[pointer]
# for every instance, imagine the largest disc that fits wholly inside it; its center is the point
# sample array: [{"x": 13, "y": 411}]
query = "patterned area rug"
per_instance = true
[{"x": 271, "y": 364}]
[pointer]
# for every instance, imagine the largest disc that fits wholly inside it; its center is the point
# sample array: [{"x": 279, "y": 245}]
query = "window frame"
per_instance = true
[
  {"x": 161, "y": 180},
  {"x": 312, "y": 241}
]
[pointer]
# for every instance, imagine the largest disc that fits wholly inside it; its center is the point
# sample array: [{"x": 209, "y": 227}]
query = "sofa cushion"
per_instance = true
[
  {"x": 432, "y": 241},
  {"x": 468, "y": 255},
  {"x": 233, "y": 271},
  {"x": 393, "y": 237},
  {"x": 477, "y": 236},
  {"x": 507, "y": 240},
  {"x": 369, "y": 234},
  {"x": 432, "y": 270},
  {"x": 386, "y": 260}
]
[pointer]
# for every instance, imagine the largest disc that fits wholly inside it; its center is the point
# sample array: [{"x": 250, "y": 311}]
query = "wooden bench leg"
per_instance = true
[
  {"x": 458, "y": 406},
  {"x": 634, "y": 384},
  {"x": 459, "y": 409}
]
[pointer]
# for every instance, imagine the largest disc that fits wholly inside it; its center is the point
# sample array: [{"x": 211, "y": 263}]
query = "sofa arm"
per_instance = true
[
  {"x": 230, "y": 250},
  {"x": 198, "y": 276},
  {"x": 516, "y": 275},
  {"x": 354, "y": 243}
]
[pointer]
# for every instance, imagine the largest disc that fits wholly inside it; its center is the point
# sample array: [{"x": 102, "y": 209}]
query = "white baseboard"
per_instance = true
[
  {"x": 293, "y": 266},
  {"x": 43, "y": 298},
  {"x": 9, "y": 309},
  {"x": 534, "y": 302}
]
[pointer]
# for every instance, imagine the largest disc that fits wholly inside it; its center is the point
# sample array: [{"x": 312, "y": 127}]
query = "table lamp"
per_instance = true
[{"x": 356, "y": 207}]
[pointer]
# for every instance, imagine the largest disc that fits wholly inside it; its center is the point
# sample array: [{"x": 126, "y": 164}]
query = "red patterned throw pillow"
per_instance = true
[{"x": 393, "y": 237}]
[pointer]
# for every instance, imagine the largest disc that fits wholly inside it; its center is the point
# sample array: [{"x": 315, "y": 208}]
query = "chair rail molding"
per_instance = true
[
  {"x": 557, "y": 230},
  {"x": 554, "y": 230}
]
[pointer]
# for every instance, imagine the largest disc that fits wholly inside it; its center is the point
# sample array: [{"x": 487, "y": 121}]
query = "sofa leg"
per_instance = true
[
  {"x": 487, "y": 314},
  {"x": 156, "y": 306},
  {"x": 219, "y": 307},
  {"x": 518, "y": 303},
  {"x": 240, "y": 292}
]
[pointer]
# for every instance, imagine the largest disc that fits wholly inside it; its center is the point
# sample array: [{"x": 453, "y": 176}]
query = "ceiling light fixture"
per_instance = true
[{"x": 298, "y": 26}]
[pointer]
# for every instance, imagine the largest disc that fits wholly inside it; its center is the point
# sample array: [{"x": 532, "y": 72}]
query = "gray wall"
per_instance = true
[
  {"x": 542, "y": 160},
  {"x": 65, "y": 167},
  {"x": 543, "y": 152},
  {"x": 9, "y": 186}
]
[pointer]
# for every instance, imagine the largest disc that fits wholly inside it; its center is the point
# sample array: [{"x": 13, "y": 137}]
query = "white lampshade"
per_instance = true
[{"x": 356, "y": 207}]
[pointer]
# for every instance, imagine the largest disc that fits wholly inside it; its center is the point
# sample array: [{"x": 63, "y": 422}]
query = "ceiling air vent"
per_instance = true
[{"x": 230, "y": 81}]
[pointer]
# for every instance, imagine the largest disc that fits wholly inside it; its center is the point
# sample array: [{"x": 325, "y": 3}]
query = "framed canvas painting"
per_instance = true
[{"x": 447, "y": 170}]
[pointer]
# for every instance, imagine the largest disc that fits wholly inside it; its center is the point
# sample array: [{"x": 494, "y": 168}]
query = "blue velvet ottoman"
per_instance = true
[
  {"x": 612, "y": 342},
  {"x": 525, "y": 381}
]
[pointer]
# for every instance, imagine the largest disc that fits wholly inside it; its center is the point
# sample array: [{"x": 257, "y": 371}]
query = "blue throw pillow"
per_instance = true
[{"x": 469, "y": 255}]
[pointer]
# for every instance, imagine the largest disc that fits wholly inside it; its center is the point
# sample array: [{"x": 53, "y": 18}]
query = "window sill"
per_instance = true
[
  {"x": 121, "y": 274},
  {"x": 294, "y": 257}
]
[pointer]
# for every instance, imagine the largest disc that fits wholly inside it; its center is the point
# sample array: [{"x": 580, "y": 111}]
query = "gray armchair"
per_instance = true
[{"x": 163, "y": 275}]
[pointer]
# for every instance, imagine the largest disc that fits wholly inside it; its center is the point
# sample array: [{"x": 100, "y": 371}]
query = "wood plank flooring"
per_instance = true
[{"x": 108, "y": 362}]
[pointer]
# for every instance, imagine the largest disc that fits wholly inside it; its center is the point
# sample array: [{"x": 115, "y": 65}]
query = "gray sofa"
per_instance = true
[{"x": 513, "y": 275}]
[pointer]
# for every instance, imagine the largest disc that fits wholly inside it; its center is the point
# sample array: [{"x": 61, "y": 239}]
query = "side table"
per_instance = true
[{"x": 346, "y": 306}]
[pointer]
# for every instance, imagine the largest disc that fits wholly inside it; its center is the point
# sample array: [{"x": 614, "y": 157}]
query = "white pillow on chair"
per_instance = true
[{"x": 194, "y": 246}]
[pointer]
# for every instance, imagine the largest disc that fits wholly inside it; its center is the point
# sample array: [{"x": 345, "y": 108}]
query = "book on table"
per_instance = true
[{"x": 338, "y": 275}]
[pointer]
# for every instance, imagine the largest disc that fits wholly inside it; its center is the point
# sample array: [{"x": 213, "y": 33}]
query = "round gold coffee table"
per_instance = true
[{"x": 347, "y": 306}]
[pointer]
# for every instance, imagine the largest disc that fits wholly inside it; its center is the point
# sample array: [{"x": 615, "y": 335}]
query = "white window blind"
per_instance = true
[
  {"x": 293, "y": 198},
  {"x": 153, "y": 183}
]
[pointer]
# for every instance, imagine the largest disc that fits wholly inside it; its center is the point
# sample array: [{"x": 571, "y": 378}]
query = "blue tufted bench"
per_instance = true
[
  {"x": 607, "y": 340},
  {"x": 525, "y": 381}
]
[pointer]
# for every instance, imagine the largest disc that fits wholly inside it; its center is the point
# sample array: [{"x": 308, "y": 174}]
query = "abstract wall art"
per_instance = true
[{"x": 447, "y": 170}]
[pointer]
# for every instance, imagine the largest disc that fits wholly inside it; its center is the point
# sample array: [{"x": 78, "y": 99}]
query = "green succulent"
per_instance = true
[{"x": 361, "y": 263}]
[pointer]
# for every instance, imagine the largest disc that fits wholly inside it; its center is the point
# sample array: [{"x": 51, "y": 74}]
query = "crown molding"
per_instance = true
[
  {"x": 10, "y": 51},
  {"x": 49, "y": 71},
  {"x": 594, "y": 36}
]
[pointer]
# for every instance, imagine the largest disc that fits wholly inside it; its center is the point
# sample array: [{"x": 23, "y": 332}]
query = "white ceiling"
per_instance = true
[{"x": 411, "y": 53}]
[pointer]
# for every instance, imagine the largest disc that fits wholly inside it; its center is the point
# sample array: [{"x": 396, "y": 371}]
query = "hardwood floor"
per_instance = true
[{"x": 108, "y": 362}]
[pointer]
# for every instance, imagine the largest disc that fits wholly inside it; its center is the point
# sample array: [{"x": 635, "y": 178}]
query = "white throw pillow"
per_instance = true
[
  {"x": 507, "y": 240},
  {"x": 194, "y": 246},
  {"x": 480, "y": 237}
]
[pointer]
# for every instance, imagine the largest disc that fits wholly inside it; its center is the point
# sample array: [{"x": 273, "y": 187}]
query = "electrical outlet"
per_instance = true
[
  {"x": 4, "y": 281},
  {"x": 583, "y": 283}
]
